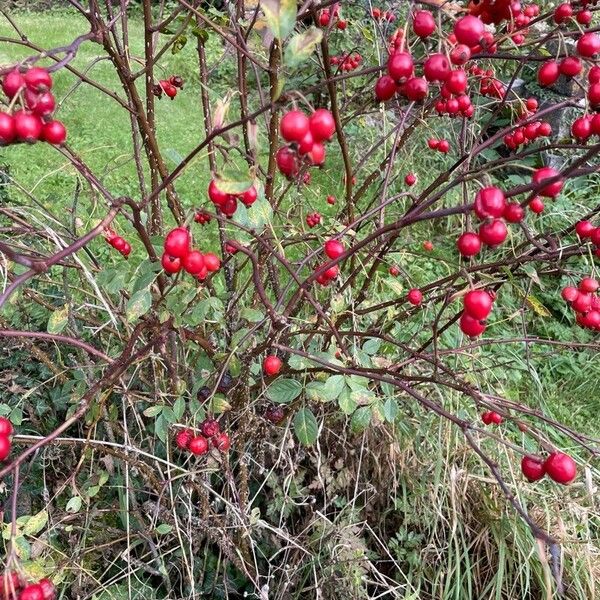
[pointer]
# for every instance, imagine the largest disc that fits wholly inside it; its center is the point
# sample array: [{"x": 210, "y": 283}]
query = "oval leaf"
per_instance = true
[
  {"x": 302, "y": 45},
  {"x": 306, "y": 427},
  {"x": 139, "y": 304},
  {"x": 58, "y": 320},
  {"x": 283, "y": 391},
  {"x": 280, "y": 15}
]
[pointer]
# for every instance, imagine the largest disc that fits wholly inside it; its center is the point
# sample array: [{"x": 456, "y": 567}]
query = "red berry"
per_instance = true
[
  {"x": 170, "y": 264},
  {"x": 183, "y": 438},
  {"x": 324, "y": 18},
  {"x": 533, "y": 468},
  {"x": 294, "y": 126},
  {"x": 470, "y": 326},
  {"x": 486, "y": 417},
  {"x": 126, "y": 250},
  {"x": 444, "y": 146},
  {"x": 385, "y": 88},
  {"x": 563, "y": 12},
  {"x": 4, "y": 447},
  {"x": 561, "y": 468},
  {"x": 433, "y": 144},
  {"x": 531, "y": 104},
  {"x": 544, "y": 173},
  {"x": 6, "y": 427},
  {"x": 584, "y": 229},
  {"x": 7, "y": 129},
  {"x": 334, "y": 249},
  {"x": 496, "y": 418},
  {"x": 28, "y": 127},
  {"x": 569, "y": 293},
  {"x": 437, "y": 68},
  {"x": 400, "y": 66},
  {"x": 48, "y": 589},
  {"x": 570, "y": 66},
  {"x": 177, "y": 242},
  {"x": 249, "y": 196},
  {"x": 478, "y": 304},
  {"x": 427, "y": 245},
  {"x": 341, "y": 24},
  {"x": 394, "y": 271},
  {"x": 212, "y": 262},
  {"x": 548, "y": 73},
  {"x": 581, "y": 128},
  {"x": 410, "y": 179},
  {"x": 193, "y": 262},
  {"x": 514, "y": 212},
  {"x": 210, "y": 427},
  {"x": 415, "y": 296},
  {"x": 322, "y": 125},
  {"x": 229, "y": 206},
  {"x": 588, "y": 45},
  {"x": 54, "y": 132},
  {"x": 317, "y": 154},
  {"x": 582, "y": 303},
  {"x": 423, "y": 23},
  {"x": 469, "y": 30},
  {"x": 32, "y": 592},
  {"x": 489, "y": 202},
  {"x": 460, "y": 54},
  {"x": 198, "y": 445},
  {"x": 588, "y": 285},
  {"x": 493, "y": 233},
  {"x": 468, "y": 244},
  {"x": 330, "y": 199},
  {"x": 38, "y": 79},
  {"x": 584, "y": 17},
  {"x": 536, "y": 205},
  {"x": 222, "y": 442},
  {"x": 416, "y": 89},
  {"x": 216, "y": 196},
  {"x": 272, "y": 365},
  {"x": 287, "y": 162},
  {"x": 12, "y": 83},
  {"x": 40, "y": 104}
]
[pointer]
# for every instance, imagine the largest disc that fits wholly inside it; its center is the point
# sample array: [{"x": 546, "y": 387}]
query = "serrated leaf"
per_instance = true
[
  {"x": 179, "y": 407},
  {"x": 139, "y": 304},
  {"x": 334, "y": 386},
  {"x": 306, "y": 427},
  {"x": 74, "y": 505},
  {"x": 22, "y": 547},
  {"x": 283, "y": 391},
  {"x": 58, "y": 320},
  {"x": 36, "y": 523},
  {"x": 346, "y": 402},
  {"x": 153, "y": 411},
  {"x": 302, "y": 45},
  {"x": 360, "y": 419},
  {"x": 390, "y": 410},
  {"x": 233, "y": 181},
  {"x": 280, "y": 15}
]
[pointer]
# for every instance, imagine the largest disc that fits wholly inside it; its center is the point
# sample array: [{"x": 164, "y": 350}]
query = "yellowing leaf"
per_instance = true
[
  {"x": 280, "y": 15},
  {"x": 537, "y": 307}
]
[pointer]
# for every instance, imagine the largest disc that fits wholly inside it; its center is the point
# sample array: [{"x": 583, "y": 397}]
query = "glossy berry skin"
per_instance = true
[
  {"x": 334, "y": 249},
  {"x": 486, "y": 417},
  {"x": 322, "y": 125},
  {"x": 10, "y": 584},
  {"x": 12, "y": 83},
  {"x": 400, "y": 66},
  {"x": 542, "y": 174},
  {"x": 489, "y": 202},
  {"x": 444, "y": 146},
  {"x": 170, "y": 264},
  {"x": 287, "y": 162},
  {"x": 177, "y": 242},
  {"x": 40, "y": 104},
  {"x": 513, "y": 212},
  {"x": 183, "y": 438},
  {"x": 561, "y": 468},
  {"x": 38, "y": 79},
  {"x": 470, "y": 326},
  {"x": 428, "y": 245},
  {"x": 415, "y": 296},
  {"x": 532, "y": 468},
  {"x": 193, "y": 262},
  {"x": 4, "y": 447},
  {"x": 588, "y": 45},
  {"x": 6, "y": 427},
  {"x": 216, "y": 195},
  {"x": 548, "y": 73},
  {"x": 416, "y": 89},
  {"x": 460, "y": 54},
  {"x": 272, "y": 365},
  {"x": 7, "y": 129},
  {"x": 394, "y": 271},
  {"x": 478, "y": 304},
  {"x": 437, "y": 68},
  {"x": 536, "y": 205},
  {"x": 317, "y": 154},
  {"x": 48, "y": 589},
  {"x": 582, "y": 303},
  {"x": 229, "y": 206},
  {"x": 331, "y": 200},
  {"x": 588, "y": 285},
  {"x": 468, "y": 244},
  {"x": 385, "y": 88},
  {"x": 210, "y": 427},
  {"x": 410, "y": 179},
  {"x": 457, "y": 82},
  {"x": 581, "y": 129},
  {"x": 423, "y": 23},
  {"x": 198, "y": 445},
  {"x": 32, "y": 592},
  {"x": 469, "y": 30},
  {"x": 493, "y": 233},
  {"x": 294, "y": 126},
  {"x": 54, "y": 133},
  {"x": 222, "y": 442},
  {"x": 249, "y": 196},
  {"x": 28, "y": 127},
  {"x": 584, "y": 229},
  {"x": 569, "y": 293},
  {"x": 570, "y": 66},
  {"x": 212, "y": 262},
  {"x": 275, "y": 414}
]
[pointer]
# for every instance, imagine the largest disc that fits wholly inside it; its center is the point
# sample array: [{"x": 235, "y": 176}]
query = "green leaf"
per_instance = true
[
  {"x": 143, "y": 281},
  {"x": 334, "y": 386},
  {"x": 255, "y": 217},
  {"x": 179, "y": 407},
  {"x": 74, "y": 505},
  {"x": 280, "y": 15},
  {"x": 283, "y": 391},
  {"x": 371, "y": 346},
  {"x": 153, "y": 411},
  {"x": 233, "y": 181},
  {"x": 252, "y": 315},
  {"x": 163, "y": 529},
  {"x": 302, "y": 45},
  {"x": 179, "y": 44},
  {"x": 58, "y": 320},
  {"x": 346, "y": 402},
  {"x": 390, "y": 410},
  {"x": 218, "y": 405},
  {"x": 139, "y": 304},
  {"x": 360, "y": 419},
  {"x": 306, "y": 427},
  {"x": 36, "y": 523}
]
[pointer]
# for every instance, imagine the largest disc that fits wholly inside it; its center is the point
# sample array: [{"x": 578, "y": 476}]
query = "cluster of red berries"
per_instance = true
[
  {"x": 442, "y": 146},
  {"x": 333, "y": 249},
  {"x": 491, "y": 417},
  {"x": 33, "y": 121},
  {"x": 347, "y": 62},
  {"x": 526, "y": 134},
  {"x": 202, "y": 217},
  {"x": 228, "y": 203},
  {"x": 272, "y": 365},
  {"x": 186, "y": 439},
  {"x": 6, "y": 430},
  {"x": 12, "y": 587},
  {"x": 383, "y": 15},
  {"x": 168, "y": 86},
  {"x": 558, "y": 466},
  {"x": 306, "y": 136},
  {"x": 396, "y": 41},
  {"x": 327, "y": 16},
  {"x": 489, "y": 85},
  {"x": 313, "y": 219},
  {"x": 178, "y": 254},
  {"x": 584, "y": 127},
  {"x": 118, "y": 243},
  {"x": 564, "y": 12},
  {"x": 585, "y": 302},
  {"x": 585, "y": 230},
  {"x": 477, "y": 306}
]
